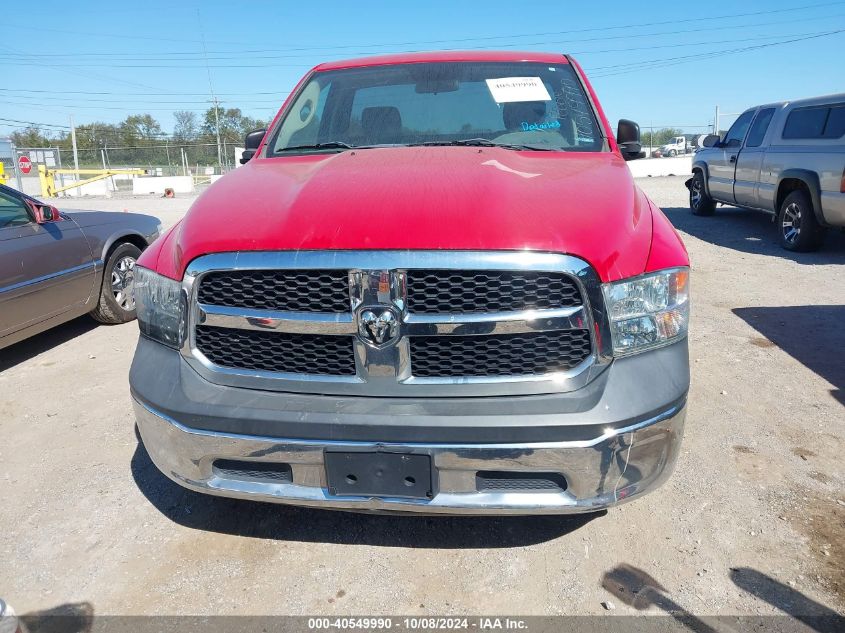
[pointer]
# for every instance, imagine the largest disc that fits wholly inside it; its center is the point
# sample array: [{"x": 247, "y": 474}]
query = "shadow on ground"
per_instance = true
[
  {"x": 77, "y": 617},
  {"x": 752, "y": 232},
  {"x": 44, "y": 342},
  {"x": 638, "y": 589},
  {"x": 288, "y": 523},
  {"x": 812, "y": 335},
  {"x": 783, "y": 597}
]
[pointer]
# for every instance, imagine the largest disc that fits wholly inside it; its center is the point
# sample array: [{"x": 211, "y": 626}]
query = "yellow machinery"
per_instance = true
[{"x": 48, "y": 180}]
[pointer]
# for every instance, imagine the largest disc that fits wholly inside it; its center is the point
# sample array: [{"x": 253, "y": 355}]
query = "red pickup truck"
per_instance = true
[{"x": 433, "y": 287}]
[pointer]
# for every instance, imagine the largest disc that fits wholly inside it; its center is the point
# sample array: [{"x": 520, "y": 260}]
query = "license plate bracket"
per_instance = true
[{"x": 379, "y": 474}]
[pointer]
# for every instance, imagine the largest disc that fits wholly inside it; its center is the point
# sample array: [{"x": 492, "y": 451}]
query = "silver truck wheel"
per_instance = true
[
  {"x": 699, "y": 202},
  {"x": 797, "y": 225}
]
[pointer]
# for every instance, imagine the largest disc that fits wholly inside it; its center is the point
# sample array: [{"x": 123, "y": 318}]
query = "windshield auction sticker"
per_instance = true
[{"x": 513, "y": 89}]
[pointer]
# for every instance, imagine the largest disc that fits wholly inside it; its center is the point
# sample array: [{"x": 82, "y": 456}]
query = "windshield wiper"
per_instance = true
[
  {"x": 326, "y": 145},
  {"x": 484, "y": 142}
]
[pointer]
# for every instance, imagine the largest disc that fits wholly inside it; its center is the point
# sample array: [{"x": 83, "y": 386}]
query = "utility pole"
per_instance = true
[
  {"x": 73, "y": 141},
  {"x": 15, "y": 158},
  {"x": 716, "y": 121},
  {"x": 216, "y": 126},
  {"x": 211, "y": 91}
]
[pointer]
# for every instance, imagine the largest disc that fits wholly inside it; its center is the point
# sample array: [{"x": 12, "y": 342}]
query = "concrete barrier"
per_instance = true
[
  {"x": 645, "y": 167},
  {"x": 156, "y": 185}
]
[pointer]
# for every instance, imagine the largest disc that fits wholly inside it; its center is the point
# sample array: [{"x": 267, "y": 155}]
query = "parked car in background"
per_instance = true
[
  {"x": 56, "y": 266},
  {"x": 445, "y": 294},
  {"x": 787, "y": 159}
]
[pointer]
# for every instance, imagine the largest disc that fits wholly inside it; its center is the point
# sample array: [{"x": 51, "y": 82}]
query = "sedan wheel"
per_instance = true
[
  {"x": 123, "y": 283},
  {"x": 117, "y": 296}
]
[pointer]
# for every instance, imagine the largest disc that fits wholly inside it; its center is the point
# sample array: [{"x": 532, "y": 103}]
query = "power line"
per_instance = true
[
  {"x": 124, "y": 36},
  {"x": 69, "y": 71},
  {"x": 127, "y": 109},
  {"x": 34, "y": 123},
  {"x": 673, "y": 61},
  {"x": 148, "y": 94},
  {"x": 138, "y": 101},
  {"x": 200, "y": 63},
  {"x": 202, "y": 59}
]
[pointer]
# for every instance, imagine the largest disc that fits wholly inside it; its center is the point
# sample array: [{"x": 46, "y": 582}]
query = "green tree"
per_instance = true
[
  {"x": 656, "y": 138},
  {"x": 233, "y": 125},
  {"x": 139, "y": 127},
  {"x": 31, "y": 136},
  {"x": 186, "y": 128}
]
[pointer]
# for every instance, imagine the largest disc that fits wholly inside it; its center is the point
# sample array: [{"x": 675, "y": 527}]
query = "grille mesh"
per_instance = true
[
  {"x": 498, "y": 355},
  {"x": 296, "y": 290},
  {"x": 253, "y": 471},
  {"x": 450, "y": 291},
  {"x": 274, "y": 351},
  {"x": 519, "y": 481}
]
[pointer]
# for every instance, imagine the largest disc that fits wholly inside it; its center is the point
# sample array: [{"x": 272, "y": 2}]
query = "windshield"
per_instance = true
[{"x": 517, "y": 105}]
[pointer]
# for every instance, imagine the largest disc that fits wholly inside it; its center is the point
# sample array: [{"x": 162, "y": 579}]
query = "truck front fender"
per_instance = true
[{"x": 702, "y": 167}]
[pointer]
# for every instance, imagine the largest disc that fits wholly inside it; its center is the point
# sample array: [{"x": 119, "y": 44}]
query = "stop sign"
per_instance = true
[{"x": 24, "y": 164}]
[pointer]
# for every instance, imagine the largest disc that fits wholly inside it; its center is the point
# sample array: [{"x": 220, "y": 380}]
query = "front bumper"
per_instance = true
[
  {"x": 617, "y": 466},
  {"x": 611, "y": 441}
]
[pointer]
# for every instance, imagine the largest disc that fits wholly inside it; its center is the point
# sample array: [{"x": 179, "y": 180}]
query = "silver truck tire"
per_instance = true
[{"x": 798, "y": 229}]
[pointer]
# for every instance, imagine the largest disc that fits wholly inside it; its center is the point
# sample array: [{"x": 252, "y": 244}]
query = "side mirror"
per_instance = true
[
  {"x": 628, "y": 138},
  {"x": 44, "y": 212},
  {"x": 251, "y": 144},
  {"x": 711, "y": 140}
]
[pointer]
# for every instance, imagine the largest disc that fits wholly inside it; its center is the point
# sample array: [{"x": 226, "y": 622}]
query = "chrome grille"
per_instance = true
[
  {"x": 295, "y": 290},
  {"x": 396, "y": 323},
  {"x": 532, "y": 354},
  {"x": 457, "y": 291},
  {"x": 277, "y": 352}
]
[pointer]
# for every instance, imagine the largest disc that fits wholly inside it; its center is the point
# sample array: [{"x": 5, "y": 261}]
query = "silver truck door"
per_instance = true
[
  {"x": 45, "y": 269},
  {"x": 750, "y": 161},
  {"x": 722, "y": 165}
]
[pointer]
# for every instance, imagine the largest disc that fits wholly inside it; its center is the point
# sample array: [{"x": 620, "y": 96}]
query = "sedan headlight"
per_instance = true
[
  {"x": 161, "y": 306},
  {"x": 648, "y": 311}
]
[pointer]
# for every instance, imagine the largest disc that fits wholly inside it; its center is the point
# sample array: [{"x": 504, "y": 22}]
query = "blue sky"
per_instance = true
[{"x": 660, "y": 63}]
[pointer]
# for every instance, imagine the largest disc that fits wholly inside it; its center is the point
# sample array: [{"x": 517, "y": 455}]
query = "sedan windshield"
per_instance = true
[{"x": 517, "y": 105}]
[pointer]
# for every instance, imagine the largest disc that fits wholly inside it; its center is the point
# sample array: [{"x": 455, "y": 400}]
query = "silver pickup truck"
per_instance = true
[{"x": 787, "y": 159}]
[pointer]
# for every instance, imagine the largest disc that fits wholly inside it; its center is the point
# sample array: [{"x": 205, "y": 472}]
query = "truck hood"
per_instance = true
[{"x": 423, "y": 198}]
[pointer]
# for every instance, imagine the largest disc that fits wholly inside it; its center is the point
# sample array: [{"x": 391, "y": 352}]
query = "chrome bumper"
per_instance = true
[{"x": 609, "y": 469}]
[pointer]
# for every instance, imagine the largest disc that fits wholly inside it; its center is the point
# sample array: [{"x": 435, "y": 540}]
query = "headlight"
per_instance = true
[
  {"x": 161, "y": 306},
  {"x": 648, "y": 311}
]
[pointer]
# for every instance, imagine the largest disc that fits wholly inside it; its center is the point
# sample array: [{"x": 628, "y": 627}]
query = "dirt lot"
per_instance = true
[{"x": 752, "y": 522}]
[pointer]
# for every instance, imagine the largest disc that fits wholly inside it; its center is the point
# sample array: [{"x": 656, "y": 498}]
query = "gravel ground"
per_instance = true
[{"x": 752, "y": 521}]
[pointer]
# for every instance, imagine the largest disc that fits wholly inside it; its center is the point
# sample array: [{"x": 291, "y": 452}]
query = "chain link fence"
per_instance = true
[{"x": 165, "y": 159}]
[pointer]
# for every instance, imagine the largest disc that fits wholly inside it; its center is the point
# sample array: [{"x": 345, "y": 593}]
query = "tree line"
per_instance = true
[
  {"x": 658, "y": 137},
  {"x": 139, "y": 140}
]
